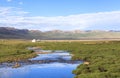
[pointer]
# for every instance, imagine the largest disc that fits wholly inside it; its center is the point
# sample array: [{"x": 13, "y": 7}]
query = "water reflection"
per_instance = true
[
  {"x": 54, "y": 69},
  {"x": 53, "y": 56}
]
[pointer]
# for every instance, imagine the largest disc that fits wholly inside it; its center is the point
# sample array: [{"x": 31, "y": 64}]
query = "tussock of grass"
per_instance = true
[
  {"x": 103, "y": 56},
  {"x": 15, "y": 50}
]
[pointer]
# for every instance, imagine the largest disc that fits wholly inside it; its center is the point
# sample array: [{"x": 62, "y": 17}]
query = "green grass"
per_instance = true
[
  {"x": 104, "y": 56},
  {"x": 14, "y": 50}
]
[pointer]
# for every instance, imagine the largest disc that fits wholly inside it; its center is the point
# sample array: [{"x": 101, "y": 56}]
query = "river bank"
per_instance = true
[
  {"x": 57, "y": 64},
  {"x": 103, "y": 56}
]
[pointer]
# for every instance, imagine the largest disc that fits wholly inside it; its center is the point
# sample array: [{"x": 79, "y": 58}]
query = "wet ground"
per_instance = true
[{"x": 48, "y": 64}]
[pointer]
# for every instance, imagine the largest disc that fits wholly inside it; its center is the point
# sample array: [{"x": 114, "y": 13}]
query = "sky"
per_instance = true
[{"x": 48, "y": 15}]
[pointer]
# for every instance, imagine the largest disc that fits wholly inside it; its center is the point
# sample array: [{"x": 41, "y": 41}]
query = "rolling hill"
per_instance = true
[{"x": 13, "y": 33}]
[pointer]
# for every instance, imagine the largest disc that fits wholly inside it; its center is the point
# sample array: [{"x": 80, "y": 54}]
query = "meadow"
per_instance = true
[
  {"x": 103, "y": 56},
  {"x": 14, "y": 50}
]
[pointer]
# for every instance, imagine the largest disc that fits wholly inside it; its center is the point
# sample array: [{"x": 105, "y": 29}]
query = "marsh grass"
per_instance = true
[
  {"x": 103, "y": 56},
  {"x": 15, "y": 50}
]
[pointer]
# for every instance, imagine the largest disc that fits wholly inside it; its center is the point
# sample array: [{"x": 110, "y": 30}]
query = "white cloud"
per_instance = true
[
  {"x": 4, "y": 11},
  {"x": 11, "y": 11},
  {"x": 20, "y": 3},
  {"x": 15, "y": 17},
  {"x": 9, "y": 0}
]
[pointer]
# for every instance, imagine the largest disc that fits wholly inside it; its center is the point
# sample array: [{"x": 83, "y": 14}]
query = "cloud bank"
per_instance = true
[{"x": 16, "y": 17}]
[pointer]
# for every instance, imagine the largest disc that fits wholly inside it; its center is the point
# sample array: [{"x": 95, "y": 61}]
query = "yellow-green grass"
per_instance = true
[
  {"x": 103, "y": 56},
  {"x": 15, "y": 50}
]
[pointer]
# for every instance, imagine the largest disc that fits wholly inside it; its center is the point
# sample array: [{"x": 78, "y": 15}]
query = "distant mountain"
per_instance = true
[
  {"x": 13, "y": 33},
  {"x": 8, "y": 32}
]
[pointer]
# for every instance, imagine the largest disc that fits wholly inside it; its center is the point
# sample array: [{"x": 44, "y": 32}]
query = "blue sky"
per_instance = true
[{"x": 60, "y": 14}]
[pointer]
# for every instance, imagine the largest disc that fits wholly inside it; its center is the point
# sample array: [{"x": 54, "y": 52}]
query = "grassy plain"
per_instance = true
[
  {"x": 14, "y": 50},
  {"x": 103, "y": 56}
]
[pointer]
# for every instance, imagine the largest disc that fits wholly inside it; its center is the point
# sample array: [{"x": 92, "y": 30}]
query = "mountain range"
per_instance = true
[{"x": 13, "y": 33}]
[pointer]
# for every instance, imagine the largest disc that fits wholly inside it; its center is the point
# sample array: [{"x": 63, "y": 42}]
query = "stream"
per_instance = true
[{"x": 48, "y": 64}]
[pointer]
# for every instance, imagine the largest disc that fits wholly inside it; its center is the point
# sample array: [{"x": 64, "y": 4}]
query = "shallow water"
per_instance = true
[
  {"x": 53, "y": 70},
  {"x": 45, "y": 70},
  {"x": 53, "y": 56}
]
